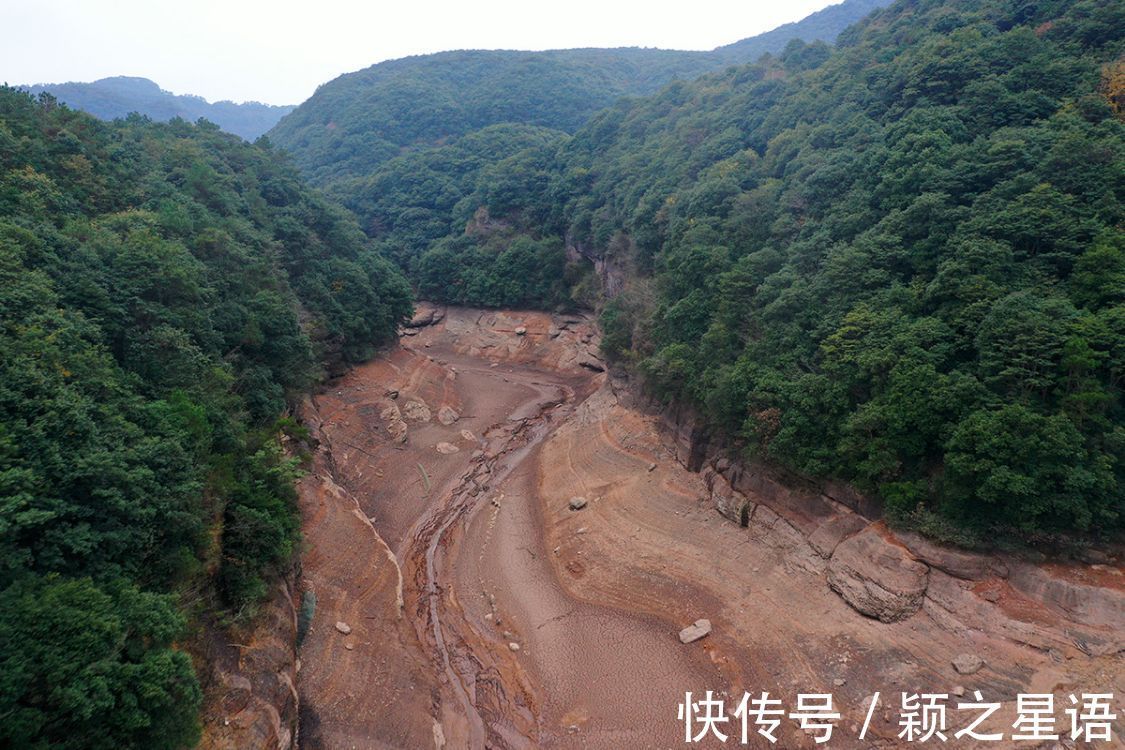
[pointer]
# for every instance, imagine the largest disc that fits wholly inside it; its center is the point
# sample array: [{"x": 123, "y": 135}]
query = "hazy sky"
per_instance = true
[{"x": 279, "y": 51}]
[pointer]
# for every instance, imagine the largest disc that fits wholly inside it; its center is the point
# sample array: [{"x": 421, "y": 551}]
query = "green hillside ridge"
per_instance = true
[
  {"x": 897, "y": 263},
  {"x": 354, "y": 124},
  {"x": 163, "y": 290}
]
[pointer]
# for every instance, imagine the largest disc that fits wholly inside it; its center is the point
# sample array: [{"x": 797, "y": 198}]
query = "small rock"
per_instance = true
[
  {"x": 447, "y": 416},
  {"x": 968, "y": 663},
  {"x": 343, "y": 627},
  {"x": 514, "y": 646},
  {"x": 392, "y": 394},
  {"x": 577, "y": 503},
  {"x": 839, "y": 682},
  {"x": 652, "y": 467},
  {"x": 572, "y": 729},
  {"x": 348, "y": 646},
  {"x": 991, "y": 595},
  {"x": 695, "y": 631},
  {"x": 398, "y": 430},
  {"x": 488, "y": 616},
  {"x": 581, "y": 530},
  {"x": 521, "y": 331},
  {"x": 416, "y": 411},
  {"x": 959, "y": 691},
  {"x": 466, "y": 435},
  {"x": 447, "y": 448},
  {"x": 477, "y": 454}
]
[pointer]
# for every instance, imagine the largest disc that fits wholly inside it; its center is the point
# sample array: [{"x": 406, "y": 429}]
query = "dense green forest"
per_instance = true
[
  {"x": 163, "y": 289},
  {"x": 354, "y": 124},
  {"x": 415, "y": 146},
  {"x": 897, "y": 262},
  {"x": 120, "y": 96},
  {"x": 900, "y": 263}
]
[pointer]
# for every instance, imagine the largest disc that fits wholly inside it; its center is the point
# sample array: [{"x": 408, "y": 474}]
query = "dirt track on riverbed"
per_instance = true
[{"x": 484, "y": 612}]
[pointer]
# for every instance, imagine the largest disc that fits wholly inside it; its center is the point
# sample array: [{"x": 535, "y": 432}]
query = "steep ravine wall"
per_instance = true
[
  {"x": 833, "y": 531},
  {"x": 250, "y": 688}
]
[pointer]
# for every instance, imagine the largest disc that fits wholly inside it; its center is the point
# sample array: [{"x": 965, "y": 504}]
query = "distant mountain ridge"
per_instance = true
[
  {"x": 110, "y": 98},
  {"x": 358, "y": 121},
  {"x": 824, "y": 25}
]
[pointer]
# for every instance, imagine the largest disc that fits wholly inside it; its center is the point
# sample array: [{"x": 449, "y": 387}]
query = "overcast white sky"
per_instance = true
[{"x": 279, "y": 51}]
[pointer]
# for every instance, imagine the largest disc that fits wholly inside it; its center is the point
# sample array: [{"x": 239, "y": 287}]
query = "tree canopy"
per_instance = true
[
  {"x": 163, "y": 290},
  {"x": 896, "y": 262}
]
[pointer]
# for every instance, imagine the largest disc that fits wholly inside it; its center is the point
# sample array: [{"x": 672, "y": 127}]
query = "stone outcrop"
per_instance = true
[
  {"x": 416, "y": 411},
  {"x": 251, "y": 696},
  {"x": 877, "y": 577},
  {"x": 831, "y": 533},
  {"x": 425, "y": 315},
  {"x": 1082, "y": 601},
  {"x": 957, "y": 563},
  {"x": 967, "y": 664},
  {"x": 831, "y": 530}
]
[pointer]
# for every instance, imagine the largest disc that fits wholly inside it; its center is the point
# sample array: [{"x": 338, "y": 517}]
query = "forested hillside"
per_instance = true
[
  {"x": 898, "y": 262},
  {"x": 163, "y": 288},
  {"x": 353, "y": 125},
  {"x": 822, "y": 26},
  {"x": 119, "y": 96}
]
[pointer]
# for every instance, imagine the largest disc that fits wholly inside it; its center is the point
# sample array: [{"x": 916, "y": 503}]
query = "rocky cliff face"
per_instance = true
[
  {"x": 833, "y": 531},
  {"x": 251, "y": 695}
]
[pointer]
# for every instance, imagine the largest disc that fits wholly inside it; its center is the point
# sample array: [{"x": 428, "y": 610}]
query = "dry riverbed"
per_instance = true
[{"x": 463, "y": 602}]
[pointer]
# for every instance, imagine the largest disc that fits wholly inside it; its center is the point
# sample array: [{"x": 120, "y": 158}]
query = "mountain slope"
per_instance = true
[
  {"x": 110, "y": 98},
  {"x": 899, "y": 263},
  {"x": 824, "y": 26},
  {"x": 355, "y": 123},
  {"x": 164, "y": 288}
]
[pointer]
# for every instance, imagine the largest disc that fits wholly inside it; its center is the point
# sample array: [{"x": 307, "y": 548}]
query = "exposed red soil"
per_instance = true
[{"x": 441, "y": 562}]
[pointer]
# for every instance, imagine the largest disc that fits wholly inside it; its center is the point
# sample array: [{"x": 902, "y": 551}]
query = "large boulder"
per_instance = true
[
  {"x": 967, "y": 663},
  {"x": 876, "y": 576},
  {"x": 425, "y": 315}
]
